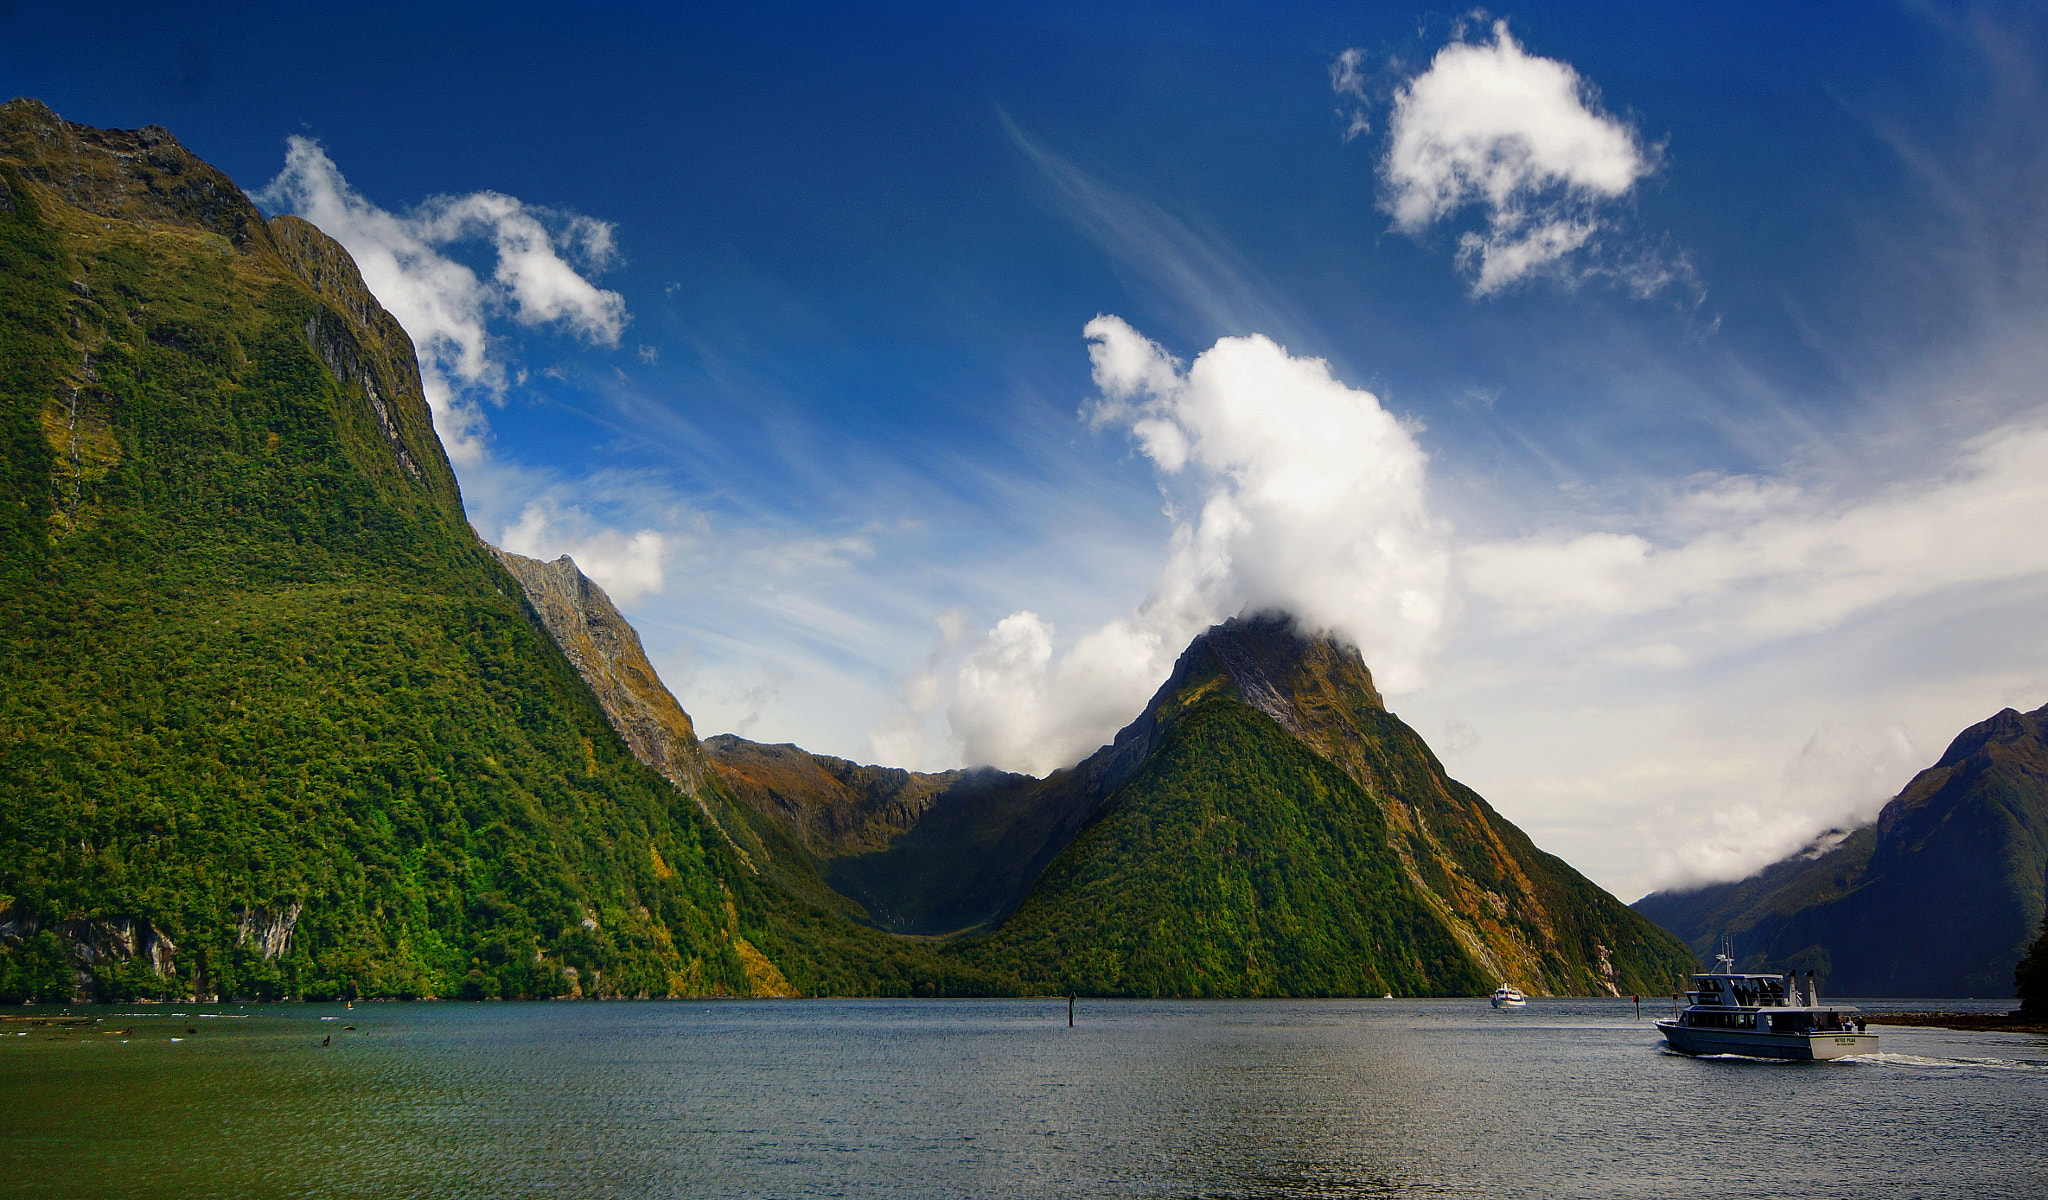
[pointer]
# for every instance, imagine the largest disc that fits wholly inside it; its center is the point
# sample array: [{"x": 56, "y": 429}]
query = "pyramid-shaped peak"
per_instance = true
[{"x": 1292, "y": 675}]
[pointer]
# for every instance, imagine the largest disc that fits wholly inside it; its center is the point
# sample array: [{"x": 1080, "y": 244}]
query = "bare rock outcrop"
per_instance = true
[
  {"x": 606, "y": 652},
  {"x": 91, "y": 942}
]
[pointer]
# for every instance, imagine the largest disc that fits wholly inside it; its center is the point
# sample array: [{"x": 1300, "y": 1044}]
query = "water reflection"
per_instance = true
[{"x": 961, "y": 1098}]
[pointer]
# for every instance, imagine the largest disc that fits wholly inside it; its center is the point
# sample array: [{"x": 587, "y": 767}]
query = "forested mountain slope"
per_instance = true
[
  {"x": 1264, "y": 827},
  {"x": 1281, "y": 833},
  {"x": 272, "y": 721}
]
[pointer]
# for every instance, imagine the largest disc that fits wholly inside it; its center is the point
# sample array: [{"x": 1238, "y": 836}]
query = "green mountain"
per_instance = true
[
  {"x": 1265, "y": 827},
  {"x": 1282, "y": 833},
  {"x": 1941, "y": 897},
  {"x": 273, "y": 722}
]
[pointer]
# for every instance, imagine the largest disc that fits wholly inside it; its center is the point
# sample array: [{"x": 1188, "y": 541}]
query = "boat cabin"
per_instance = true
[{"x": 1740, "y": 991}]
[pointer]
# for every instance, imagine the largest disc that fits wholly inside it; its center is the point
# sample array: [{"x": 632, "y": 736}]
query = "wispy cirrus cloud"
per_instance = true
[
  {"x": 1171, "y": 253},
  {"x": 1347, "y": 79},
  {"x": 540, "y": 277}
]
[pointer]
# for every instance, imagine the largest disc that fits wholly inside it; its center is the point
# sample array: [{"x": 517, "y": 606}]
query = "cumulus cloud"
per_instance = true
[
  {"x": 1519, "y": 137},
  {"x": 628, "y": 566},
  {"x": 538, "y": 279},
  {"x": 1291, "y": 490}
]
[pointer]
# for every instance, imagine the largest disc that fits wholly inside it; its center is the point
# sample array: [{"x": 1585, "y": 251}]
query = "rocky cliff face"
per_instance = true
[
  {"x": 1942, "y": 896},
  {"x": 606, "y": 652}
]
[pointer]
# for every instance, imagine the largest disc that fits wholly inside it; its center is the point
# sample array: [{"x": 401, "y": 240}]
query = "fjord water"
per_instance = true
[{"x": 994, "y": 1098}]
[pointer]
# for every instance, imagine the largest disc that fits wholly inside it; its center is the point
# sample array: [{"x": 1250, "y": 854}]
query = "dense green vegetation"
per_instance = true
[
  {"x": 1235, "y": 862},
  {"x": 259, "y": 672},
  {"x": 31, "y": 349}
]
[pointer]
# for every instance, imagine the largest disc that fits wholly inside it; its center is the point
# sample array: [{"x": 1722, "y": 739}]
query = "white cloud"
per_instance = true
[
  {"x": 1302, "y": 493},
  {"x": 441, "y": 303},
  {"x": 1745, "y": 663},
  {"x": 1679, "y": 685},
  {"x": 1838, "y": 779},
  {"x": 1517, "y": 135},
  {"x": 628, "y": 566}
]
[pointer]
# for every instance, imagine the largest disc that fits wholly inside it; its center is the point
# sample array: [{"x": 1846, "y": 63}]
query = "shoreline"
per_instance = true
[{"x": 1976, "y": 1022}]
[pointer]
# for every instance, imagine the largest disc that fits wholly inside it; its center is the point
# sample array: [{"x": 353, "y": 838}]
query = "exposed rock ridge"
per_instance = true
[
  {"x": 143, "y": 176},
  {"x": 385, "y": 369},
  {"x": 605, "y": 650}
]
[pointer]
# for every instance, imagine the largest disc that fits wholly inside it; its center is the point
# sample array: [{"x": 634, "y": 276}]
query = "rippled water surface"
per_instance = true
[{"x": 995, "y": 1098}]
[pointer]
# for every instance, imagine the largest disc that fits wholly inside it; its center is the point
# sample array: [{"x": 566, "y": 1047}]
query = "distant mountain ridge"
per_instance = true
[{"x": 1940, "y": 897}]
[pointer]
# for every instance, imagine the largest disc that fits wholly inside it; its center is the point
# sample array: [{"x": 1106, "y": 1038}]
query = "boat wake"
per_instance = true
[{"x": 1920, "y": 1060}]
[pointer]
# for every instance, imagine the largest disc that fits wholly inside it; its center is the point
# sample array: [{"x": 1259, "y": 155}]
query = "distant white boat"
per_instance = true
[
  {"x": 1763, "y": 1016},
  {"x": 1508, "y": 996}
]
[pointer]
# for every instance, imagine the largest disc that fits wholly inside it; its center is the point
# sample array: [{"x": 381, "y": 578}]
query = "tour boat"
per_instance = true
[
  {"x": 1506, "y": 996},
  {"x": 1762, "y": 1016}
]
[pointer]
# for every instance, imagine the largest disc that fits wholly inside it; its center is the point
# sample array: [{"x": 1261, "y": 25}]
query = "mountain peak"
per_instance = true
[
  {"x": 1299, "y": 679},
  {"x": 141, "y": 175},
  {"x": 2006, "y": 725},
  {"x": 606, "y": 652}
]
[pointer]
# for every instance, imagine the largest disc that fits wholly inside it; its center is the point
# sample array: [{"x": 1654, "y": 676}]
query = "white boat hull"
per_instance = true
[
  {"x": 1499, "y": 1003},
  {"x": 1756, "y": 1044}
]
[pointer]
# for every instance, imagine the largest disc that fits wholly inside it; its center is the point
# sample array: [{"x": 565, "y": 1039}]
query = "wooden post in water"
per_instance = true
[{"x": 1070, "y": 1010}]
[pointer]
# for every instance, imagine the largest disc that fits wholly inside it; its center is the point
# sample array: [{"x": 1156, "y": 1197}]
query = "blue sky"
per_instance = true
[{"x": 1672, "y": 451}]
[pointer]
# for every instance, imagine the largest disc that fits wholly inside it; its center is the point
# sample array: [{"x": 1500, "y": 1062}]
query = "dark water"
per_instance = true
[{"x": 1000, "y": 1098}]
